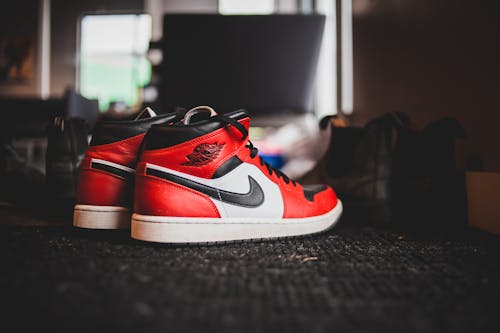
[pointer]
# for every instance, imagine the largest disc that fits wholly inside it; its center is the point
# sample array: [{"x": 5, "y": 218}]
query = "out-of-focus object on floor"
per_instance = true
[
  {"x": 428, "y": 189},
  {"x": 290, "y": 143},
  {"x": 404, "y": 176},
  {"x": 67, "y": 144},
  {"x": 27, "y": 132},
  {"x": 20, "y": 182},
  {"x": 358, "y": 164},
  {"x": 271, "y": 153},
  {"x": 483, "y": 200}
]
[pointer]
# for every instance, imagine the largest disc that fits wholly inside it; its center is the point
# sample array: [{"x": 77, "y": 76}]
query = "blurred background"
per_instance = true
[
  {"x": 394, "y": 103},
  {"x": 288, "y": 62},
  {"x": 427, "y": 58}
]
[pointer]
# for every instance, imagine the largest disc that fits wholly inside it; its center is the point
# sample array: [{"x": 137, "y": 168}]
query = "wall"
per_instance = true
[
  {"x": 431, "y": 59},
  {"x": 66, "y": 14},
  {"x": 19, "y": 19}
]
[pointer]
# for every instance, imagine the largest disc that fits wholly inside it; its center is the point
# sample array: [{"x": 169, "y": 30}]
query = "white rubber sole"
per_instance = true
[
  {"x": 101, "y": 217},
  {"x": 167, "y": 229}
]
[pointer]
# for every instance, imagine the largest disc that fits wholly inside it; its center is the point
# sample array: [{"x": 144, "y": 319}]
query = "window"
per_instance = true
[
  {"x": 248, "y": 7},
  {"x": 113, "y": 64},
  {"x": 326, "y": 80}
]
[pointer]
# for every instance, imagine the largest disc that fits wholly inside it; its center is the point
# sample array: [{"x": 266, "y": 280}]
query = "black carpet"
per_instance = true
[{"x": 349, "y": 279}]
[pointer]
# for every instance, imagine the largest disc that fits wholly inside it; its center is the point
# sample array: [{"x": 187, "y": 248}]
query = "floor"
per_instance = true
[{"x": 351, "y": 278}]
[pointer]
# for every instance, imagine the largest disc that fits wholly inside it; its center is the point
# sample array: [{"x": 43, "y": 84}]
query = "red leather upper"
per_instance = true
[
  {"x": 159, "y": 197},
  {"x": 175, "y": 157},
  {"x": 155, "y": 196},
  {"x": 122, "y": 152},
  {"x": 101, "y": 188}
]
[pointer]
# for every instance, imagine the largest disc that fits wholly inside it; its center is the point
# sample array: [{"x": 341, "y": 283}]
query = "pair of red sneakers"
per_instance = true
[{"x": 197, "y": 179}]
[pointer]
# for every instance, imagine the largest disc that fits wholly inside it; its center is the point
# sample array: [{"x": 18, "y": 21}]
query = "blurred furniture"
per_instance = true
[
  {"x": 29, "y": 117},
  {"x": 263, "y": 63},
  {"x": 25, "y": 121}
]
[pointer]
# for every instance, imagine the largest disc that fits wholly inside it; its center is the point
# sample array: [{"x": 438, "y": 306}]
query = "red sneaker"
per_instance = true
[
  {"x": 105, "y": 184},
  {"x": 203, "y": 181}
]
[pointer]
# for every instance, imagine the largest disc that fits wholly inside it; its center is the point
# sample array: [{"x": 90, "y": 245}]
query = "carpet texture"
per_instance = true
[{"x": 351, "y": 279}]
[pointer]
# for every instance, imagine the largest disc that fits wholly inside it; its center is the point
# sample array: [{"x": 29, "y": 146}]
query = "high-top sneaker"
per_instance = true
[
  {"x": 105, "y": 183},
  {"x": 202, "y": 181}
]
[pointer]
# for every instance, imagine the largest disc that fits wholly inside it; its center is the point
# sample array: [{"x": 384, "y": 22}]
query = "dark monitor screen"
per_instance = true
[{"x": 263, "y": 63}]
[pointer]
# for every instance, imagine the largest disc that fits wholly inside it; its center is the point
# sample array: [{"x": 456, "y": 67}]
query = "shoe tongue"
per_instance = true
[
  {"x": 198, "y": 114},
  {"x": 204, "y": 114},
  {"x": 145, "y": 114}
]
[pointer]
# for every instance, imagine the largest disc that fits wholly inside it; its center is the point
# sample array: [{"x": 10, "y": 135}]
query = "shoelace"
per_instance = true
[{"x": 253, "y": 150}]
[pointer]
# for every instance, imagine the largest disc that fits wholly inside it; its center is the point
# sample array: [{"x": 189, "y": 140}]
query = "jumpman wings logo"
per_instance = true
[{"x": 203, "y": 154}]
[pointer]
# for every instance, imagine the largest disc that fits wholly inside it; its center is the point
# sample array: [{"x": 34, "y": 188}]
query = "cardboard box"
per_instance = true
[{"x": 483, "y": 200}]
